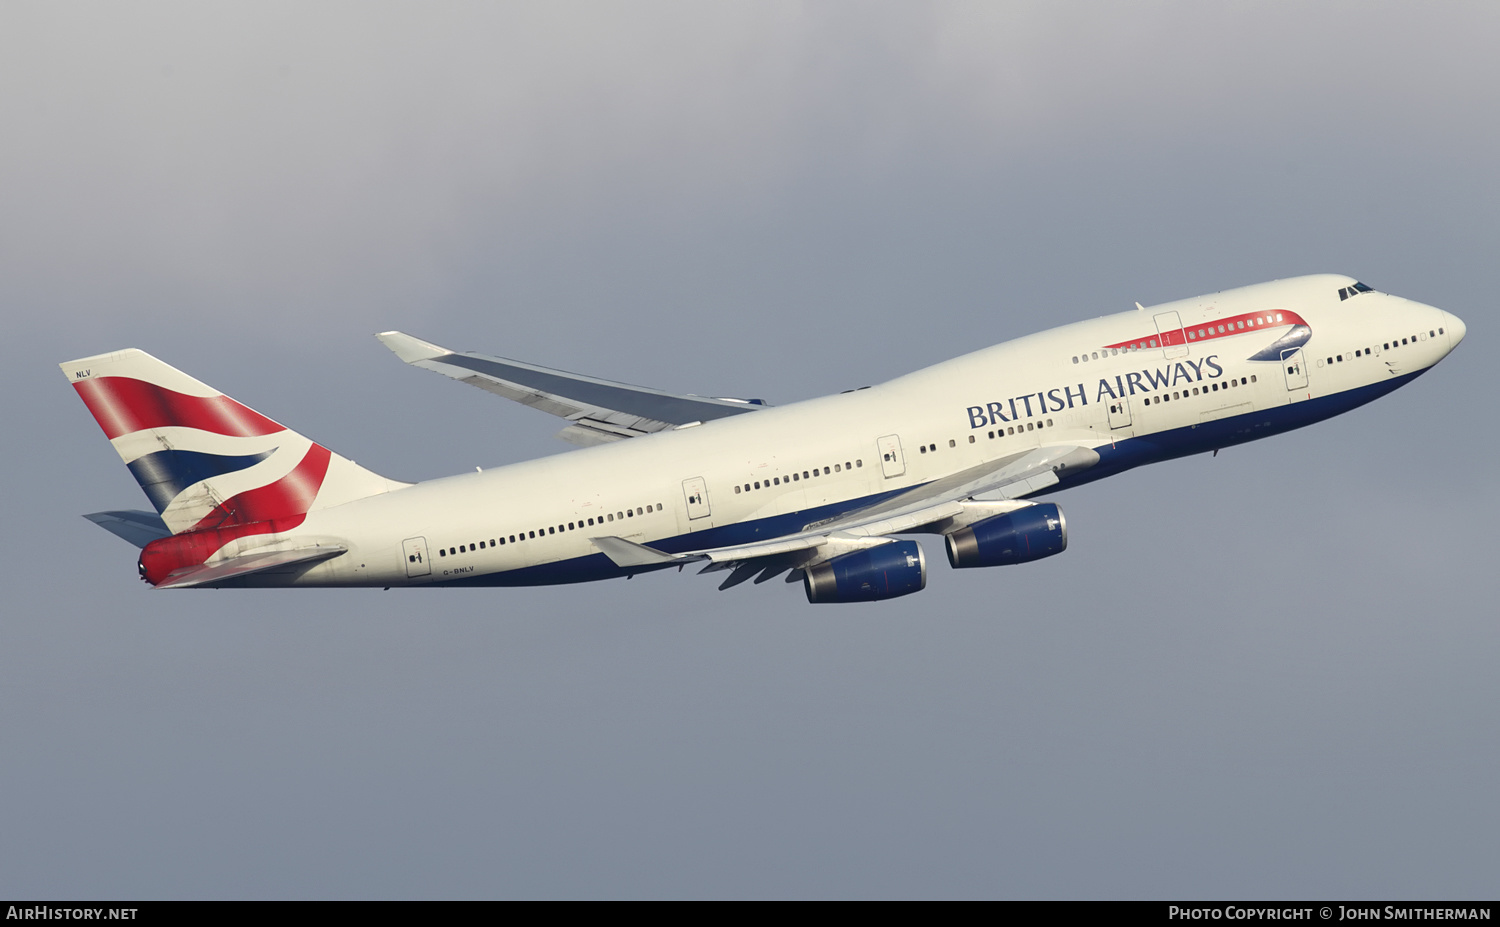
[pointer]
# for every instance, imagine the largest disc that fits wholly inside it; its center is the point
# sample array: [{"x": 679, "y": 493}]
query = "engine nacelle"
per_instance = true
[
  {"x": 883, "y": 572},
  {"x": 1021, "y": 536}
]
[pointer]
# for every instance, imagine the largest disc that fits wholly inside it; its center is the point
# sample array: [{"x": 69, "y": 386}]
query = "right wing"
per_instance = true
[
  {"x": 599, "y": 411},
  {"x": 945, "y": 504}
]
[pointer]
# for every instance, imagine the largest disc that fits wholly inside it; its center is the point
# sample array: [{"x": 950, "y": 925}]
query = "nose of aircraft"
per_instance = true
[{"x": 1456, "y": 329}]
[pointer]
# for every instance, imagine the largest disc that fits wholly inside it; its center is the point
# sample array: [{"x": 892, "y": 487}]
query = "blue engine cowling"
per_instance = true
[
  {"x": 1021, "y": 536},
  {"x": 883, "y": 572}
]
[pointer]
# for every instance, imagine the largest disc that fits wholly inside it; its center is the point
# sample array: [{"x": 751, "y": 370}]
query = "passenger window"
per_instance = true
[
  {"x": 952, "y": 443},
  {"x": 923, "y": 449},
  {"x": 971, "y": 439},
  {"x": 736, "y": 490},
  {"x": 1075, "y": 358},
  {"x": 442, "y": 553},
  {"x": 836, "y": 468}
]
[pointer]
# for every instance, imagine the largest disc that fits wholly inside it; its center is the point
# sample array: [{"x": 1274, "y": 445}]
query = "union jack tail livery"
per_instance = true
[{"x": 215, "y": 470}]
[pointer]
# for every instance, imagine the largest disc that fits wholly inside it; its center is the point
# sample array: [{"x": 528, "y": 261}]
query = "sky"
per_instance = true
[{"x": 1266, "y": 674}]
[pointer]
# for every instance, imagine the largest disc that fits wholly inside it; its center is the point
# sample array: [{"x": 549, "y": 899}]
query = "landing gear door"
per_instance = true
[
  {"x": 415, "y": 550},
  {"x": 695, "y": 491},
  {"x": 891, "y": 461},
  {"x": 1119, "y": 413},
  {"x": 1293, "y": 363},
  {"x": 1173, "y": 338}
]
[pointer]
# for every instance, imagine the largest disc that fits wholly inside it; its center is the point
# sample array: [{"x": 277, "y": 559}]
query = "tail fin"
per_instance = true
[{"x": 204, "y": 460}]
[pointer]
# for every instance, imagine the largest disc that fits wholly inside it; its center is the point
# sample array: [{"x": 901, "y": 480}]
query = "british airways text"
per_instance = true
[{"x": 1056, "y": 400}]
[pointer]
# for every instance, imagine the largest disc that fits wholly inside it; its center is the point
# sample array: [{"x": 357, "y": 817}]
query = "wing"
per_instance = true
[
  {"x": 599, "y": 410},
  {"x": 951, "y": 502}
]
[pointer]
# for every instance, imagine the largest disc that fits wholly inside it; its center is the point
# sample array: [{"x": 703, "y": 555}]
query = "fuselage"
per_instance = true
[{"x": 1138, "y": 387}]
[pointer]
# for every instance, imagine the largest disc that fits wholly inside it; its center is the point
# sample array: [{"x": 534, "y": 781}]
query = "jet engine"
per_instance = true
[
  {"x": 1026, "y": 534},
  {"x": 883, "y": 572}
]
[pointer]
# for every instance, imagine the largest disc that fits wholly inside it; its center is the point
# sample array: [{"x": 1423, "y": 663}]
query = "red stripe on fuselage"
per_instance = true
[
  {"x": 1189, "y": 333},
  {"x": 122, "y": 405}
]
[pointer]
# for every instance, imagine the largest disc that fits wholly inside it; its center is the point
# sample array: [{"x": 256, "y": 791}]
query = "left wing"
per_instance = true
[
  {"x": 951, "y": 502},
  {"x": 599, "y": 411}
]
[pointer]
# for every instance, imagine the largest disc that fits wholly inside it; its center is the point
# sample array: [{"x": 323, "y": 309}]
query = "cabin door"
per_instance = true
[
  {"x": 415, "y": 550},
  {"x": 695, "y": 491},
  {"x": 1119, "y": 412},
  {"x": 891, "y": 461},
  {"x": 1173, "y": 338},
  {"x": 1296, "y": 369}
]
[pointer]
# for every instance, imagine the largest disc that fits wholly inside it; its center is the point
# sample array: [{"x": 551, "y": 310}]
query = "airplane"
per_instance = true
[{"x": 818, "y": 490}]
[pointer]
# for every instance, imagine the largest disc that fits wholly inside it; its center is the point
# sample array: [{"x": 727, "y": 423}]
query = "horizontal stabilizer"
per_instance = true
[
  {"x": 210, "y": 574},
  {"x": 137, "y": 527}
]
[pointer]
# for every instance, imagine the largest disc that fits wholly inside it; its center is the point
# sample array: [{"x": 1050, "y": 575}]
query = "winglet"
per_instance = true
[
  {"x": 410, "y": 349},
  {"x": 630, "y": 554}
]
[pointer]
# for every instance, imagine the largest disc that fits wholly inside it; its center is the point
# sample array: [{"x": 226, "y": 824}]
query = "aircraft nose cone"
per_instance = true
[{"x": 1456, "y": 329}]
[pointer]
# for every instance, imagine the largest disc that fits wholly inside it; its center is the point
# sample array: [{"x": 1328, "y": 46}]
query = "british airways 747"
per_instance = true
[{"x": 817, "y": 490}]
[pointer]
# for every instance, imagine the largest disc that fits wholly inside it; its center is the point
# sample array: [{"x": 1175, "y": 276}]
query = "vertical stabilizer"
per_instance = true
[{"x": 204, "y": 460}]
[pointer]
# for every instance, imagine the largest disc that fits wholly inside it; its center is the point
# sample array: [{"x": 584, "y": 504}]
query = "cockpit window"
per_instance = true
[{"x": 1355, "y": 290}]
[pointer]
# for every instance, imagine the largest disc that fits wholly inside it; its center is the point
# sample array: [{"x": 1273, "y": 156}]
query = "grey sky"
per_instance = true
[{"x": 1266, "y": 674}]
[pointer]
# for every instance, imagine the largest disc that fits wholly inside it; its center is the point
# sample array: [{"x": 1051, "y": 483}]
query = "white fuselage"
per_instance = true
[{"x": 1116, "y": 384}]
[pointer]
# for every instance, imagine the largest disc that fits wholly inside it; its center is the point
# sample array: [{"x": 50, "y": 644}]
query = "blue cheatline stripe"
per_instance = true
[
  {"x": 1125, "y": 454},
  {"x": 165, "y": 474}
]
